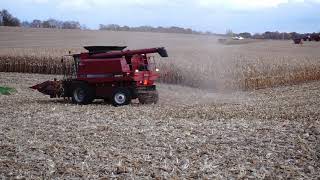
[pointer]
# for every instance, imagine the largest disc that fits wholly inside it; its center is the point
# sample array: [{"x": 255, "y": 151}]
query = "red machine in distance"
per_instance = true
[{"x": 110, "y": 73}]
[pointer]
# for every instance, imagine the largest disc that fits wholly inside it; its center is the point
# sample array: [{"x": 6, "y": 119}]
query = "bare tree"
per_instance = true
[
  {"x": 52, "y": 23},
  {"x": 8, "y": 20},
  {"x": 71, "y": 25},
  {"x": 36, "y": 23},
  {"x": 1, "y": 19}
]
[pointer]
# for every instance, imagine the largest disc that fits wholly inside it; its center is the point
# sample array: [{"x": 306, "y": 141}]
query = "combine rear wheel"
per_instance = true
[
  {"x": 148, "y": 97},
  {"x": 121, "y": 97}
]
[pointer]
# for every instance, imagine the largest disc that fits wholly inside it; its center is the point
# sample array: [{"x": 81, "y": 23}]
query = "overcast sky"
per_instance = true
[{"x": 205, "y": 15}]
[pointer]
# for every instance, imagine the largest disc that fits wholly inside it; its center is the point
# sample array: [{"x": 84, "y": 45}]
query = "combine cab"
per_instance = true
[{"x": 110, "y": 73}]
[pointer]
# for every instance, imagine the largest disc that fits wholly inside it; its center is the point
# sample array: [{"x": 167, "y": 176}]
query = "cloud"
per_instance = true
[
  {"x": 207, "y": 4},
  {"x": 250, "y": 4},
  {"x": 89, "y": 4},
  {"x": 36, "y": 1},
  {"x": 211, "y": 4},
  {"x": 242, "y": 4}
]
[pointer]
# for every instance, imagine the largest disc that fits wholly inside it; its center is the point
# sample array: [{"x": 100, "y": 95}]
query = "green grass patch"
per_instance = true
[{"x": 6, "y": 90}]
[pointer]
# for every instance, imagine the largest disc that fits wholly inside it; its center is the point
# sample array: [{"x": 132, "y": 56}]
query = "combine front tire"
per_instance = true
[
  {"x": 82, "y": 94},
  {"x": 121, "y": 97},
  {"x": 148, "y": 97}
]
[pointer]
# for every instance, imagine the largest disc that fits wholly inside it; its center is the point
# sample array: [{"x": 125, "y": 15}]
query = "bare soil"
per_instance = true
[{"x": 191, "y": 133}]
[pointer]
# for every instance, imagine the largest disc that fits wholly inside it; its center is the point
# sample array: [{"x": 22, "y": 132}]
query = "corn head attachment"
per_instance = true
[{"x": 52, "y": 88}]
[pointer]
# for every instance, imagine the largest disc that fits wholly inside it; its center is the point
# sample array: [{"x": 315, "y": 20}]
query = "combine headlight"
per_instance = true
[
  {"x": 136, "y": 70},
  {"x": 157, "y": 70}
]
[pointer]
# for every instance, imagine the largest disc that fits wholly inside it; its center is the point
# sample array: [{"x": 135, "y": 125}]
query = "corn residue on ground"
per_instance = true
[{"x": 191, "y": 133}]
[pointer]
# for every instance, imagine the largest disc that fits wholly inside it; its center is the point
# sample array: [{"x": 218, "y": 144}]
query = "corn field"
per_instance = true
[
  {"x": 192, "y": 133},
  {"x": 195, "y": 61},
  {"x": 32, "y": 65},
  {"x": 239, "y": 79},
  {"x": 309, "y": 74}
]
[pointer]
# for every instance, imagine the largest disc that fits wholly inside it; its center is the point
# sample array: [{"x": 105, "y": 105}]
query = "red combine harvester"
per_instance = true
[{"x": 110, "y": 73}]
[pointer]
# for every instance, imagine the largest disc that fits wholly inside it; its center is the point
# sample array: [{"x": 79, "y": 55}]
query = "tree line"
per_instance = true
[
  {"x": 280, "y": 35},
  {"x": 52, "y": 23},
  {"x": 172, "y": 29},
  {"x": 6, "y": 19}
]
